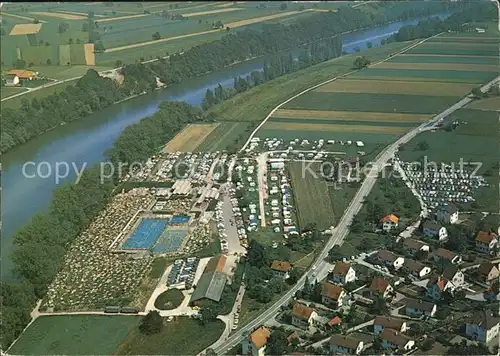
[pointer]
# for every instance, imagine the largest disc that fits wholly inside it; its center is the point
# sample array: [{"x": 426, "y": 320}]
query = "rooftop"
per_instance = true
[
  {"x": 390, "y": 218},
  {"x": 379, "y": 285},
  {"x": 484, "y": 319},
  {"x": 331, "y": 291},
  {"x": 387, "y": 255},
  {"x": 486, "y": 237},
  {"x": 413, "y": 243},
  {"x": 210, "y": 286},
  {"x": 420, "y": 305},
  {"x": 344, "y": 341},
  {"x": 485, "y": 268},
  {"x": 413, "y": 265},
  {"x": 341, "y": 268},
  {"x": 394, "y": 337},
  {"x": 216, "y": 264},
  {"x": 445, "y": 254},
  {"x": 281, "y": 266},
  {"x": 259, "y": 337},
  {"x": 389, "y": 322},
  {"x": 302, "y": 311}
]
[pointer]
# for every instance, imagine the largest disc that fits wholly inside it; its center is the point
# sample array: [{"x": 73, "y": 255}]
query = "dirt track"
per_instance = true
[
  {"x": 59, "y": 15},
  {"x": 109, "y": 19},
  {"x": 201, "y": 13},
  {"x": 25, "y": 29}
]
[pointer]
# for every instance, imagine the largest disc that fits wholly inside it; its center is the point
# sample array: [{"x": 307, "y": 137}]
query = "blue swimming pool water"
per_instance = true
[
  {"x": 179, "y": 219},
  {"x": 146, "y": 234},
  {"x": 169, "y": 241}
]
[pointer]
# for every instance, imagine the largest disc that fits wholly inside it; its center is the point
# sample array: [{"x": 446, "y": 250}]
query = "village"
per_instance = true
[{"x": 181, "y": 204}]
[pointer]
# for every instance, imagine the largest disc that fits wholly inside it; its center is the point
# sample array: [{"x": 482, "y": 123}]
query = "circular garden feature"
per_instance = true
[{"x": 169, "y": 299}]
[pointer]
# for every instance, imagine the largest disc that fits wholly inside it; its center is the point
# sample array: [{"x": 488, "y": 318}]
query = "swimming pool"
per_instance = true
[
  {"x": 146, "y": 234},
  {"x": 170, "y": 241}
]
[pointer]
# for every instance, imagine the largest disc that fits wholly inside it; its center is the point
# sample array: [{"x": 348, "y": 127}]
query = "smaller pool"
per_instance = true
[{"x": 146, "y": 234}]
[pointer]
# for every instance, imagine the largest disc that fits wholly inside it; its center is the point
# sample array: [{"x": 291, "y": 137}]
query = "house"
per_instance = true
[
  {"x": 482, "y": 326},
  {"x": 255, "y": 345},
  {"x": 444, "y": 255},
  {"x": 383, "y": 322},
  {"x": 11, "y": 80},
  {"x": 389, "y": 222},
  {"x": 488, "y": 272},
  {"x": 392, "y": 339},
  {"x": 23, "y": 74},
  {"x": 332, "y": 295},
  {"x": 340, "y": 344},
  {"x": 413, "y": 246},
  {"x": 416, "y": 268},
  {"x": 380, "y": 286},
  {"x": 302, "y": 315},
  {"x": 281, "y": 269},
  {"x": 294, "y": 339},
  {"x": 434, "y": 230},
  {"x": 437, "y": 285},
  {"x": 418, "y": 308},
  {"x": 334, "y": 321},
  {"x": 342, "y": 273},
  {"x": 454, "y": 275},
  {"x": 447, "y": 213},
  {"x": 389, "y": 259},
  {"x": 486, "y": 242}
]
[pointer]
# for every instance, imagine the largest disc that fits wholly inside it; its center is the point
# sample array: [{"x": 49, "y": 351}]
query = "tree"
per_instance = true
[
  {"x": 118, "y": 63},
  {"x": 294, "y": 276},
  {"x": 277, "y": 285},
  {"x": 99, "y": 47},
  {"x": 85, "y": 27},
  {"x": 369, "y": 44},
  {"x": 379, "y": 306},
  {"x": 63, "y": 27},
  {"x": 78, "y": 41},
  {"x": 265, "y": 295},
  {"x": 361, "y": 62},
  {"x": 277, "y": 344},
  {"x": 422, "y": 145},
  {"x": 283, "y": 6},
  {"x": 208, "y": 100},
  {"x": 152, "y": 323},
  {"x": 156, "y": 36},
  {"x": 70, "y": 41},
  {"x": 228, "y": 28},
  {"x": 35, "y": 21},
  {"x": 257, "y": 254},
  {"x": 301, "y": 7},
  {"x": 477, "y": 93},
  {"x": 208, "y": 313},
  {"x": 49, "y": 62},
  {"x": 19, "y": 64}
]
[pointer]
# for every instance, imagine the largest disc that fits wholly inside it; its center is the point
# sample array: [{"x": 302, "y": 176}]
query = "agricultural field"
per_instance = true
[
  {"x": 309, "y": 195},
  {"x": 223, "y": 136},
  {"x": 175, "y": 338},
  {"x": 474, "y": 140},
  {"x": 486, "y": 104},
  {"x": 74, "y": 335},
  {"x": 9, "y": 91},
  {"x": 189, "y": 138}
]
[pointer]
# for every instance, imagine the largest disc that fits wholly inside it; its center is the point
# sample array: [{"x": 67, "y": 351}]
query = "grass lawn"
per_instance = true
[
  {"x": 66, "y": 72},
  {"x": 182, "y": 336},
  {"x": 9, "y": 91},
  {"x": 74, "y": 335},
  {"x": 340, "y": 199},
  {"x": 169, "y": 299},
  {"x": 225, "y": 135},
  {"x": 242, "y": 107}
]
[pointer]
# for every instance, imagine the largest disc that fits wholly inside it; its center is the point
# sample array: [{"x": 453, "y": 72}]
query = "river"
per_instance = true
[{"x": 85, "y": 141}]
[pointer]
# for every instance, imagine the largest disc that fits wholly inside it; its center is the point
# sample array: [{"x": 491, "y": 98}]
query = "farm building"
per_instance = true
[
  {"x": 212, "y": 281},
  {"x": 23, "y": 74},
  {"x": 11, "y": 80}
]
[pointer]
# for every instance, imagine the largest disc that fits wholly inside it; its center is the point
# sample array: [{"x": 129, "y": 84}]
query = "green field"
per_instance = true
[
  {"x": 9, "y": 91},
  {"x": 475, "y": 141},
  {"x": 182, "y": 336},
  {"x": 412, "y": 104},
  {"x": 488, "y": 49},
  {"x": 224, "y": 136},
  {"x": 66, "y": 72},
  {"x": 444, "y": 59},
  {"x": 454, "y": 76},
  {"x": 309, "y": 196},
  {"x": 486, "y": 104},
  {"x": 270, "y": 94},
  {"x": 74, "y": 335},
  {"x": 458, "y": 38}
]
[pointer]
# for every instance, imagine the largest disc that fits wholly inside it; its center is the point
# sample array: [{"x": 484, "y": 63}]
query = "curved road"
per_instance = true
[{"x": 342, "y": 229}]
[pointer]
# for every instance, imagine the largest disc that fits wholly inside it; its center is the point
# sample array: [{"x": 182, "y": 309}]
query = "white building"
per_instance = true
[
  {"x": 255, "y": 345},
  {"x": 447, "y": 213},
  {"x": 340, "y": 344}
]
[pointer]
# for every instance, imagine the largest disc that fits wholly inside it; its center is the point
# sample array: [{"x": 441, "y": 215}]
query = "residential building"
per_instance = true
[
  {"x": 294, "y": 338},
  {"x": 488, "y": 272},
  {"x": 380, "y": 286},
  {"x": 413, "y": 246},
  {"x": 389, "y": 222},
  {"x": 23, "y": 74},
  {"x": 416, "y": 268},
  {"x": 486, "y": 242},
  {"x": 281, "y": 269},
  {"x": 302, "y": 315},
  {"x": 340, "y": 344},
  {"x": 437, "y": 285},
  {"x": 482, "y": 326},
  {"x": 11, "y": 80},
  {"x": 392, "y": 339},
  {"x": 389, "y": 259},
  {"x": 444, "y": 255},
  {"x": 332, "y": 295},
  {"x": 255, "y": 344},
  {"x": 418, "y": 308},
  {"x": 334, "y": 321},
  {"x": 454, "y": 275},
  {"x": 342, "y": 273},
  {"x": 383, "y": 322},
  {"x": 447, "y": 213},
  {"x": 435, "y": 230}
]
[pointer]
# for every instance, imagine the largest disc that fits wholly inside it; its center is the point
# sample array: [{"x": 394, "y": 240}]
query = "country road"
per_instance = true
[{"x": 342, "y": 229}]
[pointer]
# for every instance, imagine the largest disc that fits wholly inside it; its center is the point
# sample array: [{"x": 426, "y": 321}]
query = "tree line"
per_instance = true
[
  {"x": 462, "y": 21},
  {"x": 40, "y": 247}
]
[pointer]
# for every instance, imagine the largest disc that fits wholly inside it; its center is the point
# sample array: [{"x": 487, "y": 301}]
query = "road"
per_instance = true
[
  {"x": 342, "y": 229},
  {"x": 262, "y": 183}
]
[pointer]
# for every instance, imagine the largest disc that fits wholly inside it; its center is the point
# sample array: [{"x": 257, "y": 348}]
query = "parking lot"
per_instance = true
[{"x": 183, "y": 272}]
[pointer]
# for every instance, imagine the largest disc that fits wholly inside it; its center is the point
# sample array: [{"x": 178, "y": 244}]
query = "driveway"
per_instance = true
[{"x": 233, "y": 240}]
